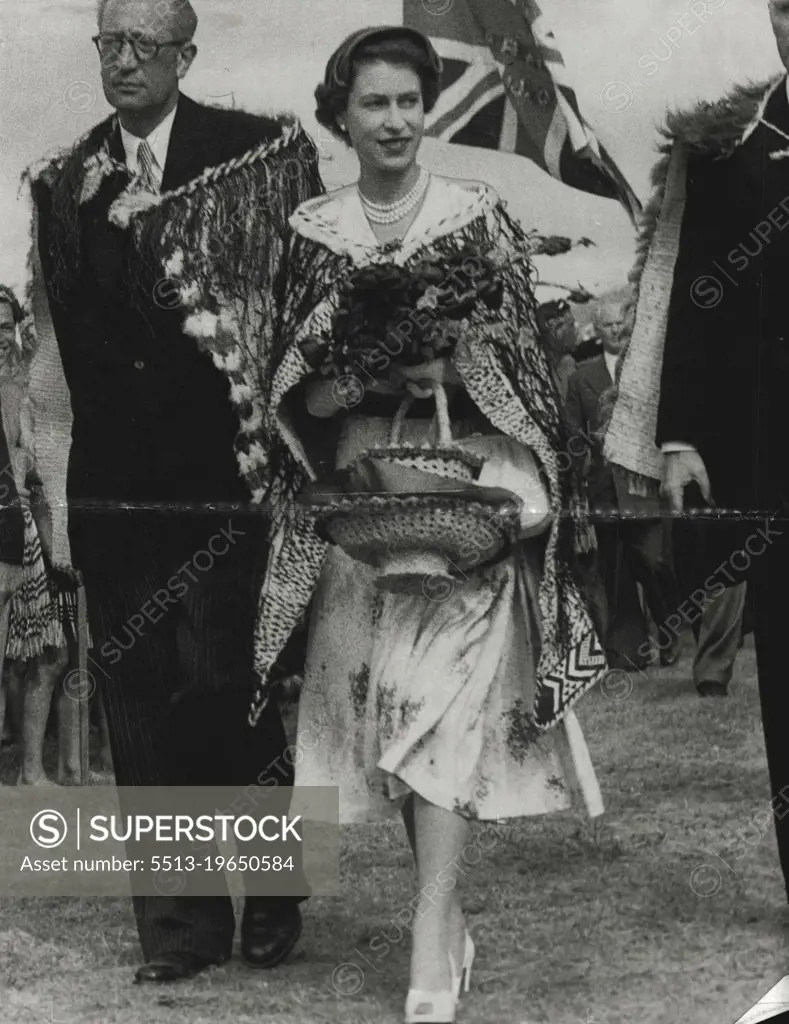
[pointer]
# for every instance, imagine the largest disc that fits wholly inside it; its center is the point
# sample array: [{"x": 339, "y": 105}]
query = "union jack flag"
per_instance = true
[{"x": 505, "y": 87}]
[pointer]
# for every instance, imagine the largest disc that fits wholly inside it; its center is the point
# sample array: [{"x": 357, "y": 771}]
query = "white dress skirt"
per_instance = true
[{"x": 410, "y": 694}]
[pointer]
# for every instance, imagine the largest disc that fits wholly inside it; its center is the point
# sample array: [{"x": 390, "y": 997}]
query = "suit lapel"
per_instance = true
[
  {"x": 186, "y": 152},
  {"x": 597, "y": 375},
  {"x": 104, "y": 245}
]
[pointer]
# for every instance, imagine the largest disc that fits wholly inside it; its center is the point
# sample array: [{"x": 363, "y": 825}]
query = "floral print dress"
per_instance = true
[{"x": 428, "y": 694}]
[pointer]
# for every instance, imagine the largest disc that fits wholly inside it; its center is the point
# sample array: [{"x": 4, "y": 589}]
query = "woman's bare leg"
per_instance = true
[
  {"x": 457, "y": 922},
  {"x": 43, "y": 674},
  {"x": 440, "y": 836},
  {"x": 14, "y": 672}
]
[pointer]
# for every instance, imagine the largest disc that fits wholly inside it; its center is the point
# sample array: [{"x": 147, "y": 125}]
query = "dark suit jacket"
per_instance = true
[
  {"x": 726, "y": 360},
  {"x": 153, "y": 424},
  {"x": 607, "y": 487},
  {"x": 582, "y": 405}
]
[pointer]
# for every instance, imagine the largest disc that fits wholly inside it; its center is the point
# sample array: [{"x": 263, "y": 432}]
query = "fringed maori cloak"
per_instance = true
[
  {"x": 504, "y": 369},
  {"x": 229, "y": 227}
]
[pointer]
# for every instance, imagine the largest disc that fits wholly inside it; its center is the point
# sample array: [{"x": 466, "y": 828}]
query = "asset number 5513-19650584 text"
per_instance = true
[{"x": 218, "y": 863}]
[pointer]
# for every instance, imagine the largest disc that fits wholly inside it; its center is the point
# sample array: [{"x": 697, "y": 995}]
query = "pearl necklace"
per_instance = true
[{"x": 391, "y": 213}]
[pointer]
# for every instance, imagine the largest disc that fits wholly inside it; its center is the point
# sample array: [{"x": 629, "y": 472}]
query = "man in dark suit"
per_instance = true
[
  {"x": 160, "y": 522},
  {"x": 723, "y": 419},
  {"x": 629, "y": 530}
]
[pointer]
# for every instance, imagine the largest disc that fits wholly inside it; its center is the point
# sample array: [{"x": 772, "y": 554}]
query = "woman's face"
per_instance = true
[
  {"x": 7, "y": 333},
  {"x": 385, "y": 117}
]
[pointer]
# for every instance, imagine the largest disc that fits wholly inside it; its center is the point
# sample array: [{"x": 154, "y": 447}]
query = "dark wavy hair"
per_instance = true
[{"x": 392, "y": 45}]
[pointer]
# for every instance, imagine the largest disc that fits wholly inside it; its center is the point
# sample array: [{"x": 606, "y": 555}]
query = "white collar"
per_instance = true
[
  {"x": 338, "y": 221},
  {"x": 158, "y": 140}
]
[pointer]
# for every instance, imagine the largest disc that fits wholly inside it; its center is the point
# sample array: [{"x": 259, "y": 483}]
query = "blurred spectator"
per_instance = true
[
  {"x": 721, "y": 624},
  {"x": 32, "y": 631},
  {"x": 11, "y": 528},
  {"x": 589, "y": 345},
  {"x": 629, "y": 528},
  {"x": 559, "y": 333}
]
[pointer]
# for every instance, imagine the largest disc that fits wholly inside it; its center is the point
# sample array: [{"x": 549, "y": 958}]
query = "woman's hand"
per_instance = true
[{"x": 424, "y": 375}]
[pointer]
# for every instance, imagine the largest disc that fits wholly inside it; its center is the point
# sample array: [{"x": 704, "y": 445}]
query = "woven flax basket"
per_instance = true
[{"x": 442, "y": 524}]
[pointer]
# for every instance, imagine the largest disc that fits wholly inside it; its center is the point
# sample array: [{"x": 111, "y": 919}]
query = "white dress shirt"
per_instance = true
[{"x": 158, "y": 140}]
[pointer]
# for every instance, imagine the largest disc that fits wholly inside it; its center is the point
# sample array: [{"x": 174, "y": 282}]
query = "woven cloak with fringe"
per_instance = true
[
  {"x": 504, "y": 369},
  {"x": 39, "y": 608},
  {"x": 714, "y": 130},
  {"x": 223, "y": 234}
]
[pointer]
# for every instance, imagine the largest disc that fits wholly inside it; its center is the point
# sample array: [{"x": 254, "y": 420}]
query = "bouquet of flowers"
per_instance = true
[{"x": 407, "y": 315}]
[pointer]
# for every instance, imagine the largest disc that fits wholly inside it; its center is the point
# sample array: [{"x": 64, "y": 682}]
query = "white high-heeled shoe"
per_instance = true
[
  {"x": 461, "y": 979},
  {"x": 430, "y": 1007}
]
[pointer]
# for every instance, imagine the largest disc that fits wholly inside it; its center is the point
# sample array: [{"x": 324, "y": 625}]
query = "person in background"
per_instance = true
[
  {"x": 628, "y": 528},
  {"x": 559, "y": 333},
  {"x": 42, "y": 613},
  {"x": 589, "y": 344},
  {"x": 621, "y": 620},
  {"x": 11, "y": 523},
  {"x": 718, "y": 639},
  {"x": 719, "y": 626}
]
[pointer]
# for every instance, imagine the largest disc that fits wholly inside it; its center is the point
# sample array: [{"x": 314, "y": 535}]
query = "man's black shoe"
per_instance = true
[
  {"x": 267, "y": 936},
  {"x": 174, "y": 966},
  {"x": 709, "y": 688}
]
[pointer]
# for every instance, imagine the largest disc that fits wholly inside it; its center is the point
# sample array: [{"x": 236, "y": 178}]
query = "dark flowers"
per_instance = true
[{"x": 407, "y": 315}]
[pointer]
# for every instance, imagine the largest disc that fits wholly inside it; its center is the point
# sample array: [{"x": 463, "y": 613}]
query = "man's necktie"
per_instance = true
[{"x": 145, "y": 176}]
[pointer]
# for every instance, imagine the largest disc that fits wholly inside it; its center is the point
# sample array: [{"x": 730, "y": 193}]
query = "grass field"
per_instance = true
[{"x": 671, "y": 909}]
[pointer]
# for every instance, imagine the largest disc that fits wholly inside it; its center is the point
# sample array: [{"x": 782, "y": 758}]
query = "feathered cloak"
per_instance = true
[{"x": 710, "y": 129}]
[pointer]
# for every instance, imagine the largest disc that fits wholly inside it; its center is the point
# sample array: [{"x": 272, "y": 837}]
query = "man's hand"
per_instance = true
[{"x": 679, "y": 470}]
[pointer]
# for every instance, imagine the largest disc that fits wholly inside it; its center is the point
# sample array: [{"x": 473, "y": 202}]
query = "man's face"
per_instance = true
[
  {"x": 608, "y": 323},
  {"x": 779, "y": 15},
  {"x": 134, "y": 85}
]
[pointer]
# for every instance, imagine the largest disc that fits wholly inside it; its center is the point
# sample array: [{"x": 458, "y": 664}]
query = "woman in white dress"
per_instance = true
[{"x": 448, "y": 706}]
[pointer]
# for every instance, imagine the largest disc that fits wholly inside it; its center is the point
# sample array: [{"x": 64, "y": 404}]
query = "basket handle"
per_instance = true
[
  {"x": 399, "y": 419},
  {"x": 442, "y": 414},
  {"x": 441, "y": 421}
]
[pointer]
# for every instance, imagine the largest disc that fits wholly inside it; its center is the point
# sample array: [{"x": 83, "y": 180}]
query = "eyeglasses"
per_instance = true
[{"x": 144, "y": 49}]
